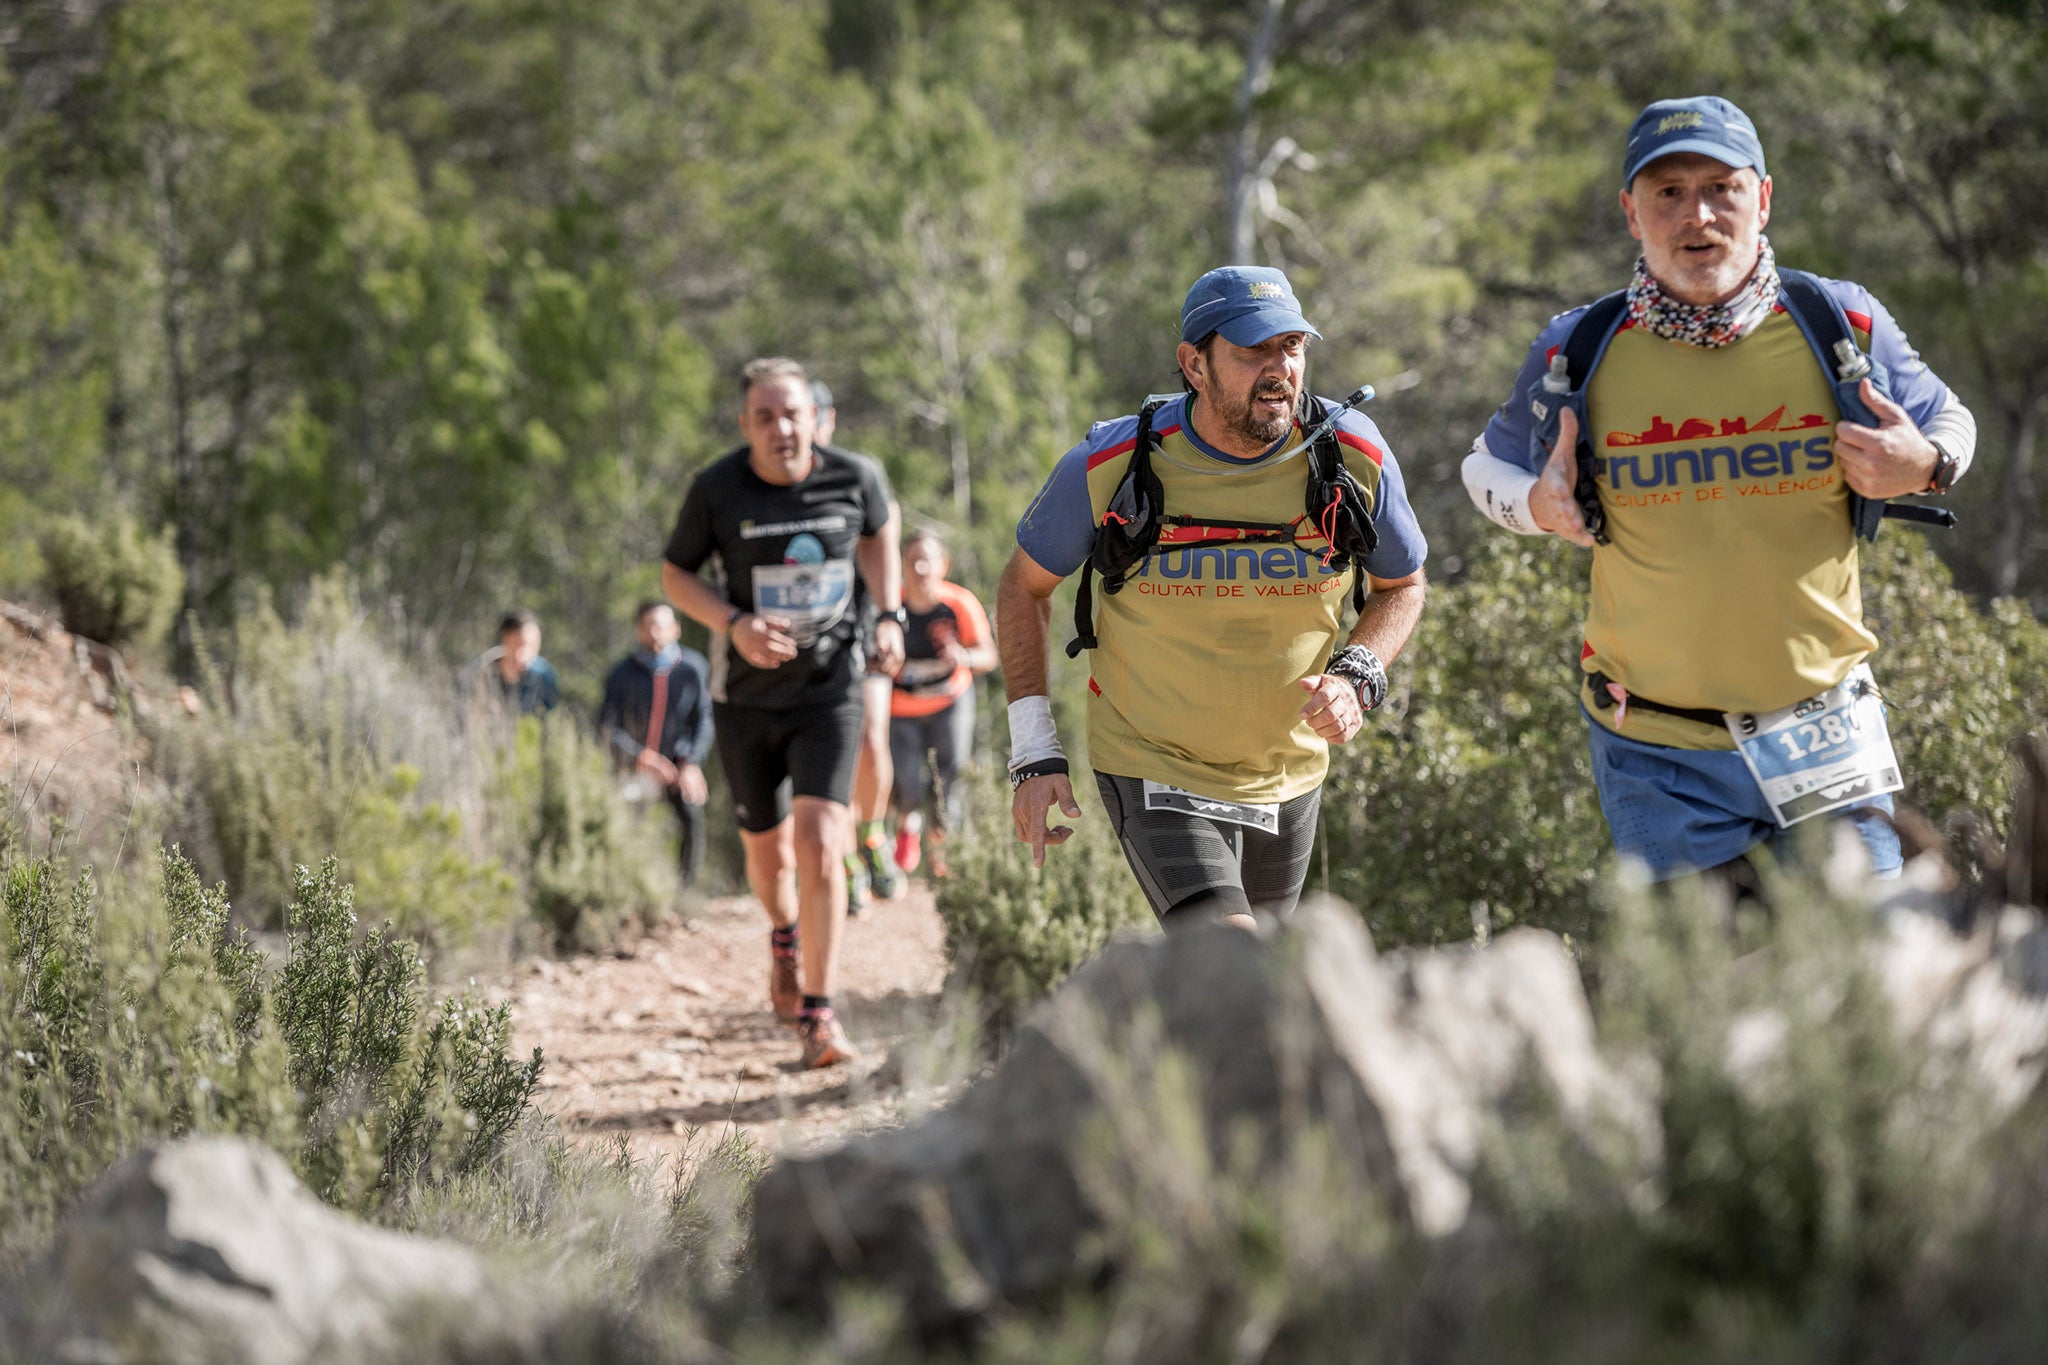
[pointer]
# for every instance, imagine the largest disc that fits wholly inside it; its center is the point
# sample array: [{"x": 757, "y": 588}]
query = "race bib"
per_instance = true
[
  {"x": 1820, "y": 754},
  {"x": 812, "y": 597},
  {"x": 1159, "y": 796}
]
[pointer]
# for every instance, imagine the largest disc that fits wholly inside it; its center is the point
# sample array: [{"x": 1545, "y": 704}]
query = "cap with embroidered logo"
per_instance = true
[
  {"x": 1706, "y": 124},
  {"x": 1247, "y": 303}
]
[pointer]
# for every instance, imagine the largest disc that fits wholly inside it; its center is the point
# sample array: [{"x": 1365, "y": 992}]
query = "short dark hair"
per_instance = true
[
  {"x": 517, "y": 620},
  {"x": 771, "y": 367},
  {"x": 931, "y": 533},
  {"x": 648, "y": 604}
]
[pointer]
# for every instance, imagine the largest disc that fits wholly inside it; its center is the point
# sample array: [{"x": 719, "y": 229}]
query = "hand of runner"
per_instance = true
[
  {"x": 1033, "y": 802},
  {"x": 1332, "y": 708},
  {"x": 1553, "y": 502},
  {"x": 1888, "y": 460},
  {"x": 690, "y": 784},
  {"x": 657, "y": 767},
  {"x": 888, "y": 645},
  {"x": 763, "y": 640}
]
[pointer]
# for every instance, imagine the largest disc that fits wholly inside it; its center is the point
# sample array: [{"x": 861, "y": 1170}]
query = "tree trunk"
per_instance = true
[
  {"x": 1241, "y": 186},
  {"x": 2015, "y": 502},
  {"x": 186, "y": 497}
]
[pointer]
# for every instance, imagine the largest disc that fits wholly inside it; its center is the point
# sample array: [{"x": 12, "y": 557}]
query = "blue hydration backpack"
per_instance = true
[{"x": 1826, "y": 329}]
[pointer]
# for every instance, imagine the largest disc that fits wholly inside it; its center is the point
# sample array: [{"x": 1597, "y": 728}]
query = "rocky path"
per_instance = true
[{"x": 677, "y": 1035}]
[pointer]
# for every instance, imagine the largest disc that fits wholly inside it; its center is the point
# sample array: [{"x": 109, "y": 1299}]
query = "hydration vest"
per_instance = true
[
  {"x": 1335, "y": 504},
  {"x": 1826, "y": 329}
]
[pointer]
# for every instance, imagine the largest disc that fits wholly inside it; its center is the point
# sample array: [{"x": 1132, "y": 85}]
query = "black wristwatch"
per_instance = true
[
  {"x": 901, "y": 616},
  {"x": 1044, "y": 767},
  {"x": 1946, "y": 470}
]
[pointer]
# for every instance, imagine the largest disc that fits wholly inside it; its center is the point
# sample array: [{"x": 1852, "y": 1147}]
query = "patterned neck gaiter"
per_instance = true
[{"x": 1709, "y": 325}]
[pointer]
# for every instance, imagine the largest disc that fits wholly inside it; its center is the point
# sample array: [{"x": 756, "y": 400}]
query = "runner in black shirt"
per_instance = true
[{"x": 790, "y": 524}]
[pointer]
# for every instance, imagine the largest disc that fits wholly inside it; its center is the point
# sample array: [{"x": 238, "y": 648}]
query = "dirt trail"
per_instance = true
[{"x": 678, "y": 1035}]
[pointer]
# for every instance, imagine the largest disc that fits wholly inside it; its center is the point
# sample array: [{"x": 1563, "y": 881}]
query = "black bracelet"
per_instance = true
[
  {"x": 1365, "y": 672},
  {"x": 1038, "y": 767}
]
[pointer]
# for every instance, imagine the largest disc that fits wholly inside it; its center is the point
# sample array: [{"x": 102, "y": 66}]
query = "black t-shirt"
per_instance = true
[{"x": 786, "y": 551}]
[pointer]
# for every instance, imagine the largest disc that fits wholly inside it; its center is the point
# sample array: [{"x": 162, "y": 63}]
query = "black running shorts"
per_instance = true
[
  {"x": 770, "y": 756},
  {"x": 1196, "y": 867}
]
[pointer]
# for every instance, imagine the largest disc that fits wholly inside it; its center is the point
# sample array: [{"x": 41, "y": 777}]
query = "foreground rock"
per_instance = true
[
  {"x": 1408, "y": 1060},
  {"x": 213, "y": 1252}
]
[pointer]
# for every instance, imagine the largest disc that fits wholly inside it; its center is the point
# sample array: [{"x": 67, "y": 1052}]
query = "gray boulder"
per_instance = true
[
  {"x": 1407, "y": 1060},
  {"x": 212, "y": 1251}
]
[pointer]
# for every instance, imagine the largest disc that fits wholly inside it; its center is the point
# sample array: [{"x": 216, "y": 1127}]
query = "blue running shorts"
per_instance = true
[{"x": 1682, "y": 810}]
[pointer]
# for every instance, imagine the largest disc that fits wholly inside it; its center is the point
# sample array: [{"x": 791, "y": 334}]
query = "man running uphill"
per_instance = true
[
  {"x": 1723, "y": 453},
  {"x": 1218, "y": 682},
  {"x": 790, "y": 522}
]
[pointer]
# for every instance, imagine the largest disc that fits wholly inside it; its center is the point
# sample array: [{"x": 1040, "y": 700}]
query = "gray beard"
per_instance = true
[{"x": 1240, "y": 422}]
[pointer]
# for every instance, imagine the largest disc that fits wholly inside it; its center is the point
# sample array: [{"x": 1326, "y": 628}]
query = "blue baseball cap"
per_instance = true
[
  {"x": 1247, "y": 303},
  {"x": 1706, "y": 124}
]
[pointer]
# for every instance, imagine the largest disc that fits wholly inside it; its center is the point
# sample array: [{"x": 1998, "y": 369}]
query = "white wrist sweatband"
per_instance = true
[
  {"x": 1499, "y": 489},
  {"x": 1032, "y": 735}
]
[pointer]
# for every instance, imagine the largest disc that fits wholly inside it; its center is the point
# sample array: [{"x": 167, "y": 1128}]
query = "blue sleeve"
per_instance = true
[
  {"x": 695, "y": 745},
  {"x": 1402, "y": 548},
  {"x": 1058, "y": 529},
  {"x": 1507, "y": 432},
  {"x": 611, "y": 710},
  {"x": 549, "y": 691},
  {"x": 1914, "y": 387}
]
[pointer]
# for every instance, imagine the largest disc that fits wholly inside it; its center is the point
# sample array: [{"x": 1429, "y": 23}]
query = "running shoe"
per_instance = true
[
  {"x": 825, "y": 1042},
  {"x": 883, "y": 879},
  {"x": 785, "y": 983},
  {"x": 908, "y": 850},
  {"x": 856, "y": 885}
]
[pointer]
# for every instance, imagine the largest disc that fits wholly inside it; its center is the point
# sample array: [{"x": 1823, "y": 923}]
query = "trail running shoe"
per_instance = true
[
  {"x": 856, "y": 885},
  {"x": 825, "y": 1041},
  {"x": 908, "y": 850},
  {"x": 785, "y": 983},
  {"x": 883, "y": 879}
]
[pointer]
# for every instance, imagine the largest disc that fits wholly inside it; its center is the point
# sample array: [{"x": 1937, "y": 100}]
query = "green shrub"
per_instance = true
[
  {"x": 445, "y": 812},
  {"x": 1959, "y": 683},
  {"x": 1469, "y": 796},
  {"x": 1469, "y": 799},
  {"x": 112, "y": 582},
  {"x": 593, "y": 865},
  {"x": 1014, "y": 932},
  {"x": 131, "y": 1021}
]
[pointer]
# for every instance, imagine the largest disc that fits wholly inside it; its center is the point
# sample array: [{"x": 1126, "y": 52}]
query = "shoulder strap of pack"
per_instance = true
[
  {"x": 1583, "y": 348},
  {"x": 1084, "y": 592},
  {"x": 1821, "y": 319},
  {"x": 1587, "y": 342},
  {"x": 1825, "y": 326},
  {"x": 1326, "y": 470}
]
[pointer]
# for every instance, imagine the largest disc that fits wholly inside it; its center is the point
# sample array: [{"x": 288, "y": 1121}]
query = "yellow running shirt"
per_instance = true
[
  {"x": 1730, "y": 580},
  {"x": 1194, "y": 678}
]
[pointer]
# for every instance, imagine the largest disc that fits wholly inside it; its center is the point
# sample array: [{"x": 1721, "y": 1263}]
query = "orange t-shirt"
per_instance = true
[{"x": 927, "y": 684}]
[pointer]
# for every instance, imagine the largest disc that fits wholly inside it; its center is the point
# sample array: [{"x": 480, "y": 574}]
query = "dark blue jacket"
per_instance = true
[{"x": 629, "y": 702}]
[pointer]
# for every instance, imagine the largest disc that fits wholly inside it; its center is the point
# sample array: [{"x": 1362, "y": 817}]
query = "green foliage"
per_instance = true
[
  {"x": 1469, "y": 799},
  {"x": 319, "y": 740},
  {"x": 1014, "y": 932},
  {"x": 112, "y": 582},
  {"x": 593, "y": 866},
  {"x": 1959, "y": 684},
  {"x": 445, "y": 814},
  {"x": 144, "y": 1019}
]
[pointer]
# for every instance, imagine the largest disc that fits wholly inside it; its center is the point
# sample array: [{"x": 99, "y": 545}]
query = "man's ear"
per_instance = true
[{"x": 1193, "y": 364}]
